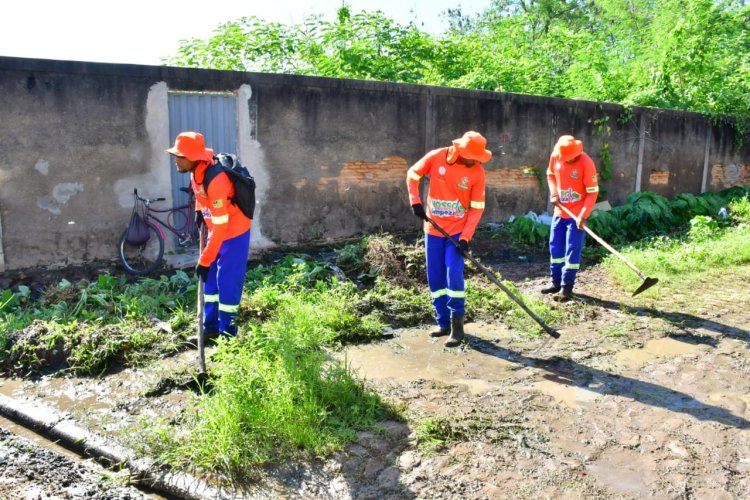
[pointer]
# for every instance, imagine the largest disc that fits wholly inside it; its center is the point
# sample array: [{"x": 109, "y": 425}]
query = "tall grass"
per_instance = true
[{"x": 276, "y": 391}]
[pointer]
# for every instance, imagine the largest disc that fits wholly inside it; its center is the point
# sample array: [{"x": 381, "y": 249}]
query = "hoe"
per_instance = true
[{"x": 647, "y": 282}]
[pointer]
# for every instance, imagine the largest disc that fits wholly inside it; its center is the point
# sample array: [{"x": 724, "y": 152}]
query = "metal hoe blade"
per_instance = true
[{"x": 647, "y": 283}]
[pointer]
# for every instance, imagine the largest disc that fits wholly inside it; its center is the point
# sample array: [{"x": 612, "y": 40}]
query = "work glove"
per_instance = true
[
  {"x": 201, "y": 272},
  {"x": 463, "y": 247},
  {"x": 418, "y": 210},
  {"x": 198, "y": 218}
]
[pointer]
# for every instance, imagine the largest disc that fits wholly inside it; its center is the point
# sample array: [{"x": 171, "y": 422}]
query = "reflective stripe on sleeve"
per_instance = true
[
  {"x": 476, "y": 204},
  {"x": 413, "y": 175},
  {"x": 593, "y": 189},
  {"x": 222, "y": 219}
]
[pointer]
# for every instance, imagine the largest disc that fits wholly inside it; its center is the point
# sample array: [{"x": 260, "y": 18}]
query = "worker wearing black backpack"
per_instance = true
[{"x": 223, "y": 262}]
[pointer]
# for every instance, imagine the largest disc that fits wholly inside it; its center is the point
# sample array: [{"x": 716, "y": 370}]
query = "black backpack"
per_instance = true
[{"x": 244, "y": 184}]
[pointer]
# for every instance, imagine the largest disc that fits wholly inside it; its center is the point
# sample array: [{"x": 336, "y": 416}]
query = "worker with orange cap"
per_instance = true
[
  {"x": 455, "y": 202},
  {"x": 223, "y": 262},
  {"x": 572, "y": 182}
]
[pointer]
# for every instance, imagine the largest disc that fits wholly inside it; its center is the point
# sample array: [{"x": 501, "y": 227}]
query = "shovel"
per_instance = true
[
  {"x": 552, "y": 332},
  {"x": 202, "y": 376},
  {"x": 647, "y": 282}
]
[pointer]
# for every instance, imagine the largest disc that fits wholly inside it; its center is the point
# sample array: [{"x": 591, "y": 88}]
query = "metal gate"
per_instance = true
[{"x": 212, "y": 114}]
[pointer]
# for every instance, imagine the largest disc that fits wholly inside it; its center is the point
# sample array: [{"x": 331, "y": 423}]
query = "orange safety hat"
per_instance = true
[
  {"x": 472, "y": 146},
  {"x": 567, "y": 148},
  {"x": 192, "y": 146}
]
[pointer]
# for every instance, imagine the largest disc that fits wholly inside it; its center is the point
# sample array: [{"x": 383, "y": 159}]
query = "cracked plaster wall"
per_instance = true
[{"x": 329, "y": 156}]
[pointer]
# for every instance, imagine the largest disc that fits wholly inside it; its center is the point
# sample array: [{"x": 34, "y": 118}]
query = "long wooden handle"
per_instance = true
[
  {"x": 200, "y": 307},
  {"x": 604, "y": 243}
]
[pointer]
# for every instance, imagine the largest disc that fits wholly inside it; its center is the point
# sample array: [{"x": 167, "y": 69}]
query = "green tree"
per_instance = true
[{"x": 681, "y": 54}]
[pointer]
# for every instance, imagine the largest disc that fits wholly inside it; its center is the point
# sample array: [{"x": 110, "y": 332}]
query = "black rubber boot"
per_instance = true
[
  {"x": 441, "y": 331},
  {"x": 457, "y": 332},
  {"x": 553, "y": 288},
  {"x": 210, "y": 337},
  {"x": 564, "y": 295}
]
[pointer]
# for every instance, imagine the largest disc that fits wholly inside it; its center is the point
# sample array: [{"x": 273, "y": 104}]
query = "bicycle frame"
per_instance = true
[{"x": 185, "y": 232}]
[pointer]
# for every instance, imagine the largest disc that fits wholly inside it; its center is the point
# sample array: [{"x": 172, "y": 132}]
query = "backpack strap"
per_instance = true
[{"x": 210, "y": 174}]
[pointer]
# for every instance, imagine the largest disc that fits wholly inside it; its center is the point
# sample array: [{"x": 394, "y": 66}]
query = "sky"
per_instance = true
[{"x": 145, "y": 31}]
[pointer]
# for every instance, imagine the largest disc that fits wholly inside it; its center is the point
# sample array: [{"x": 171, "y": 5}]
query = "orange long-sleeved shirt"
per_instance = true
[
  {"x": 575, "y": 185},
  {"x": 223, "y": 218},
  {"x": 455, "y": 200}
]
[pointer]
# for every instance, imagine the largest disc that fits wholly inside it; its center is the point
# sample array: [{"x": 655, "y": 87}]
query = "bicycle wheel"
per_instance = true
[{"x": 142, "y": 259}]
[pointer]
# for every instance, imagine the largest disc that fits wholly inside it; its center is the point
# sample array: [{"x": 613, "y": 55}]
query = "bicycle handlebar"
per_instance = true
[{"x": 146, "y": 200}]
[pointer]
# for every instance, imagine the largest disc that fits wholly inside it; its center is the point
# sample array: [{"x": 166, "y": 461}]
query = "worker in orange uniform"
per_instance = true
[
  {"x": 223, "y": 262},
  {"x": 455, "y": 201},
  {"x": 571, "y": 177}
]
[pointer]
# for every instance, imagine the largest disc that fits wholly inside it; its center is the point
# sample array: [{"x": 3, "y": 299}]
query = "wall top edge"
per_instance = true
[{"x": 170, "y": 73}]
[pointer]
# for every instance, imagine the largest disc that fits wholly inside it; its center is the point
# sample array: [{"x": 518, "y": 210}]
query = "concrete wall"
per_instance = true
[{"x": 329, "y": 155}]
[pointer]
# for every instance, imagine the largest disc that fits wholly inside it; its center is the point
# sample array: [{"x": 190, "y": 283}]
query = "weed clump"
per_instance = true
[
  {"x": 92, "y": 327},
  {"x": 382, "y": 256}
]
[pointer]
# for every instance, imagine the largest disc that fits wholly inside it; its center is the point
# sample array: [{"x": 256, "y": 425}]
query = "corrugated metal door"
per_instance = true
[{"x": 213, "y": 115}]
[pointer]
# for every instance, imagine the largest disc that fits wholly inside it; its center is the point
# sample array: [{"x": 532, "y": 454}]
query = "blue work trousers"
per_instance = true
[
  {"x": 565, "y": 246},
  {"x": 445, "y": 277},
  {"x": 223, "y": 288}
]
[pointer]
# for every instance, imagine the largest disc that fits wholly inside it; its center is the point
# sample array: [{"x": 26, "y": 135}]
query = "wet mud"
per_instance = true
[{"x": 640, "y": 397}]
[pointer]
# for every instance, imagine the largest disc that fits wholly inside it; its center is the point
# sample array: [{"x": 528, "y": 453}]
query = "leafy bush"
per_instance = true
[
  {"x": 529, "y": 232},
  {"x": 702, "y": 228},
  {"x": 739, "y": 210}
]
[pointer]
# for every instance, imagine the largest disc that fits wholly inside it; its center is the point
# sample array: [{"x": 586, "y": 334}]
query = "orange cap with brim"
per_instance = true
[
  {"x": 472, "y": 146},
  {"x": 192, "y": 146},
  {"x": 567, "y": 148}
]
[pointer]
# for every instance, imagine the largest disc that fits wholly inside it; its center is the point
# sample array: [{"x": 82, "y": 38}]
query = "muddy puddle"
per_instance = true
[{"x": 412, "y": 355}]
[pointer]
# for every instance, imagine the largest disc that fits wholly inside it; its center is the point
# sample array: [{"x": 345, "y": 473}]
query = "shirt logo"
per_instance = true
[
  {"x": 569, "y": 196},
  {"x": 464, "y": 184},
  {"x": 447, "y": 208},
  {"x": 217, "y": 203},
  {"x": 441, "y": 170},
  {"x": 574, "y": 174}
]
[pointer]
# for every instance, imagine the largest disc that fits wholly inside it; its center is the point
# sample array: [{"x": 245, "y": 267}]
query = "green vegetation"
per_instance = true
[
  {"x": 692, "y": 55},
  {"x": 276, "y": 391},
  {"x": 647, "y": 214},
  {"x": 528, "y": 232},
  {"x": 708, "y": 246},
  {"x": 277, "y": 394},
  {"x": 89, "y": 328}
]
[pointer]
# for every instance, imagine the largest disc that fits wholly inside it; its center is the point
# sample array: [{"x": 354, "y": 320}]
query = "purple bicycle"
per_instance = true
[{"x": 145, "y": 258}]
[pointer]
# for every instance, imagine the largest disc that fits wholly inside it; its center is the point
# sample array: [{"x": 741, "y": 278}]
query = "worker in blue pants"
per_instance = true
[
  {"x": 221, "y": 264},
  {"x": 565, "y": 247},
  {"x": 445, "y": 277},
  {"x": 455, "y": 203},
  {"x": 223, "y": 286},
  {"x": 573, "y": 185}
]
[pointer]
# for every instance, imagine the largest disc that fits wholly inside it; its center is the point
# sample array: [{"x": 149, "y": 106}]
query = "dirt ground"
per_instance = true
[
  {"x": 28, "y": 471},
  {"x": 640, "y": 397}
]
